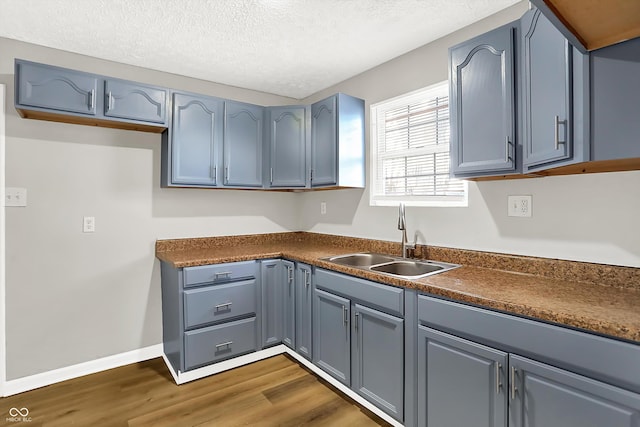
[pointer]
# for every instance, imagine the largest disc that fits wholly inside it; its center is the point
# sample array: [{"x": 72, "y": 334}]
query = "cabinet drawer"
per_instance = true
[
  {"x": 387, "y": 298},
  {"x": 219, "y": 273},
  {"x": 220, "y": 302},
  {"x": 214, "y": 343}
]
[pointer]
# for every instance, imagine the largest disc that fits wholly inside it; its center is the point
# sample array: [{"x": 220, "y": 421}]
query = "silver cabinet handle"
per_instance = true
[
  {"x": 224, "y": 344},
  {"x": 307, "y": 278},
  {"x": 271, "y": 176},
  {"x": 226, "y": 305},
  {"x": 513, "y": 383},
  {"x": 345, "y": 314},
  {"x": 226, "y": 174},
  {"x": 223, "y": 274},
  {"x": 214, "y": 173},
  {"x": 289, "y": 274},
  {"x": 92, "y": 99},
  {"x": 556, "y": 123},
  {"x": 357, "y": 316},
  {"x": 498, "y": 366},
  {"x": 507, "y": 146},
  {"x": 109, "y": 101}
]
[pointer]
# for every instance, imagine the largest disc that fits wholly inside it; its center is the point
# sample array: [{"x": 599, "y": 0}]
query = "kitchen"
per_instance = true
[{"x": 106, "y": 285}]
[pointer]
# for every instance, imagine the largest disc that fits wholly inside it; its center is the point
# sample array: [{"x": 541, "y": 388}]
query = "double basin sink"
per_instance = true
[{"x": 393, "y": 266}]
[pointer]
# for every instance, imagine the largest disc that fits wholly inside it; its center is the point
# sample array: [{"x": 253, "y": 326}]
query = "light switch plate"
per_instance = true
[{"x": 14, "y": 196}]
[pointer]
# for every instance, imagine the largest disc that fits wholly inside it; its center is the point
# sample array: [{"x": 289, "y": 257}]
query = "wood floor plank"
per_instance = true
[{"x": 272, "y": 392}]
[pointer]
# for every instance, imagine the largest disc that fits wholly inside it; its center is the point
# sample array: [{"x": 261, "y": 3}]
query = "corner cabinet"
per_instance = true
[
  {"x": 358, "y": 337},
  {"x": 304, "y": 310},
  {"x": 482, "y": 104},
  {"x": 337, "y": 142},
  {"x": 58, "y": 94},
  {"x": 272, "y": 286},
  {"x": 554, "y": 113},
  {"x": 287, "y": 147},
  {"x": 194, "y": 141},
  {"x": 242, "y": 146}
]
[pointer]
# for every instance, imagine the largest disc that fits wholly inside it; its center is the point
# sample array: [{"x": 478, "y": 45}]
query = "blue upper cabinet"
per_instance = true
[
  {"x": 324, "y": 143},
  {"x": 287, "y": 146},
  {"x": 482, "y": 105},
  {"x": 59, "y": 94},
  {"x": 337, "y": 142},
  {"x": 44, "y": 86},
  {"x": 133, "y": 101},
  {"x": 243, "y": 126},
  {"x": 195, "y": 140},
  {"x": 553, "y": 122}
]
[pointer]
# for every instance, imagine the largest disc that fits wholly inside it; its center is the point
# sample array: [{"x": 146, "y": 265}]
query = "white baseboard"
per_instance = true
[
  {"x": 74, "y": 371},
  {"x": 184, "y": 377}
]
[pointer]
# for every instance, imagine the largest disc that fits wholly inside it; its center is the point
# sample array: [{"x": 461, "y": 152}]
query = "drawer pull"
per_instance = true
[
  {"x": 222, "y": 274},
  {"x": 225, "y": 306},
  {"x": 224, "y": 344},
  {"x": 345, "y": 312},
  {"x": 498, "y": 367},
  {"x": 514, "y": 389}
]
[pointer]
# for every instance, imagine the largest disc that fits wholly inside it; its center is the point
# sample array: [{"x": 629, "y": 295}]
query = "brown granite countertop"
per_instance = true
[{"x": 593, "y": 297}]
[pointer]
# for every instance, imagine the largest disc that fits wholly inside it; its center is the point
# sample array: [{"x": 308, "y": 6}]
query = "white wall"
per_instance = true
[
  {"x": 584, "y": 218},
  {"x": 73, "y": 297}
]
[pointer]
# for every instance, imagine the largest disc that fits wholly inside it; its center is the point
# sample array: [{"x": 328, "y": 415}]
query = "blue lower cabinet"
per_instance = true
[
  {"x": 332, "y": 335},
  {"x": 359, "y": 345},
  {"x": 272, "y": 277},
  {"x": 304, "y": 311},
  {"x": 542, "y": 396},
  {"x": 289, "y": 305},
  {"x": 460, "y": 383},
  {"x": 377, "y": 364}
]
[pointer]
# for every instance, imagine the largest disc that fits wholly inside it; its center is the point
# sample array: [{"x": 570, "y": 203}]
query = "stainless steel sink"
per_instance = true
[
  {"x": 360, "y": 260},
  {"x": 408, "y": 268},
  {"x": 393, "y": 266}
]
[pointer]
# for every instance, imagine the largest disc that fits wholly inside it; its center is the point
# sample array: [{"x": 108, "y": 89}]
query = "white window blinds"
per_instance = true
[{"x": 410, "y": 151}]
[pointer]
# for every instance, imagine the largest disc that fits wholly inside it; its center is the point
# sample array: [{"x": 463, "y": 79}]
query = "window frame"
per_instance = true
[{"x": 375, "y": 196}]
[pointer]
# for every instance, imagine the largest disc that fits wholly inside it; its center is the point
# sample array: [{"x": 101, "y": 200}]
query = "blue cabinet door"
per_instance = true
[
  {"x": 271, "y": 275},
  {"x": 43, "y": 86},
  {"x": 196, "y": 139},
  {"x": 287, "y": 146},
  {"x": 289, "y": 305},
  {"x": 542, "y": 396},
  {"x": 332, "y": 335},
  {"x": 378, "y": 359},
  {"x": 134, "y": 101},
  {"x": 242, "y": 144},
  {"x": 460, "y": 383},
  {"x": 547, "y": 88},
  {"x": 482, "y": 105},
  {"x": 324, "y": 142},
  {"x": 304, "y": 312}
]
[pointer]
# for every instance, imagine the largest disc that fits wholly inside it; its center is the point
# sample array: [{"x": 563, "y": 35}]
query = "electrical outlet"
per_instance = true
[
  {"x": 323, "y": 208},
  {"x": 15, "y": 196},
  {"x": 88, "y": 224},
  {"x": 520, "y": 206}
]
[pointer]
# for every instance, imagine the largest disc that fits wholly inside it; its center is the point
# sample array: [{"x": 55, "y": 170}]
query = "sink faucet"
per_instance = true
[{"x": 402, "y": 225}]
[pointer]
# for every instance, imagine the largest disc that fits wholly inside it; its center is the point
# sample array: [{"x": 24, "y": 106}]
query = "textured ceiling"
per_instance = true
[{"x": 286, "y": 47}]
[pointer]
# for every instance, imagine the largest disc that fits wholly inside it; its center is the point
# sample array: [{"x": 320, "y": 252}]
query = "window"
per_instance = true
[{"x": 410, "y": 151}]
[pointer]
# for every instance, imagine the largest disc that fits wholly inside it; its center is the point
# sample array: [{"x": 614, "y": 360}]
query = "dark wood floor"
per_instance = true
[{"x": 273, "y": 392}]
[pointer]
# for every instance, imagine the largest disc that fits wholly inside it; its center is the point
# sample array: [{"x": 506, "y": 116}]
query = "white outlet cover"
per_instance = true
[{"x": 88, "y": 224}]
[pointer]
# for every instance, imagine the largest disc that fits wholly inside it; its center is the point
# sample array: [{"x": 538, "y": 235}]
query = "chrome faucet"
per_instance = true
[{"x": 402, "y": 225}]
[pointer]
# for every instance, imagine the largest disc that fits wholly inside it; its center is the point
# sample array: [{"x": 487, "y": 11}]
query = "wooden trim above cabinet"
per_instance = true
[
  {"x": 619, "y": 165},
  {"x": 598, "y": 23},
  {"x": 89, "y": 121}
]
